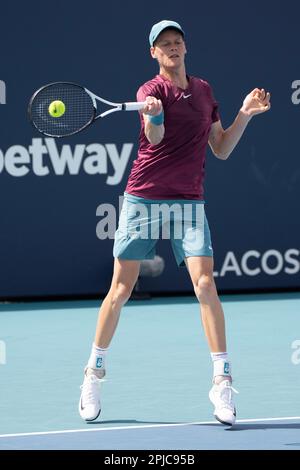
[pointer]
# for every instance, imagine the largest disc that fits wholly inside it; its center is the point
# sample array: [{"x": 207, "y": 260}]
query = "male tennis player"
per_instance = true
[{"x": 180, "y": 118}]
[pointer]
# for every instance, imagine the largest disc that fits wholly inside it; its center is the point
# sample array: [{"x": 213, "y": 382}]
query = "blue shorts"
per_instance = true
[{"x": 143, "y": 222}]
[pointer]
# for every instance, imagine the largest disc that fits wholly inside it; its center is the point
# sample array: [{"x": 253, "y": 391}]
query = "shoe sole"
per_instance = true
[
  {"x": 89, "y": 420},
  {"x": 224, "y": 422}
]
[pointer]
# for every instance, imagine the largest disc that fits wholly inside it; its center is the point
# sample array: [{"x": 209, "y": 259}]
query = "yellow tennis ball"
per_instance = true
[{"x": 56, "y": 109}]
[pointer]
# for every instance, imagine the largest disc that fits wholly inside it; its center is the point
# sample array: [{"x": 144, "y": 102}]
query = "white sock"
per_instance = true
[
  {"x": 97, "y": 358},
  {"x": 221, "y": 364}
]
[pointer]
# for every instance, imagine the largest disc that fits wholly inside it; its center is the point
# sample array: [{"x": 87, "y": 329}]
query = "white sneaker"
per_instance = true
[
  {"x": 221, "y": 396},
  {"x": 89, "y": 404}
]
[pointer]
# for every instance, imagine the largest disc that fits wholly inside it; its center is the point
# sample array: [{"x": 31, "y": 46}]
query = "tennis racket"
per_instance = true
[{"x": 80, "y": 106}]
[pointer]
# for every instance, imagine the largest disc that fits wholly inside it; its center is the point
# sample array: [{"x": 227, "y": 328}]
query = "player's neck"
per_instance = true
[{"x": 177, "y": 77}]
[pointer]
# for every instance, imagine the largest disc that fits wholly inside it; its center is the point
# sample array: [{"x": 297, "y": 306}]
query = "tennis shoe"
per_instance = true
[
  {"x": 89, "y": 404},
  {"x": 221, "y": 397}
]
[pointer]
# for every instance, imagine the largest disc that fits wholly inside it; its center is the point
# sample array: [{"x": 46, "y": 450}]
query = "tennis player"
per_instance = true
[{"x": 178, "y": 121}]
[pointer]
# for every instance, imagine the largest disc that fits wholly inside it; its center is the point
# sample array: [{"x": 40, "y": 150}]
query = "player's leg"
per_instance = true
[
  {"x": 201, "y": 272},
  {"x": 194, "y": 249},
  {"x": 132, "y": 244},
  {"x": 124, "y": 278}
]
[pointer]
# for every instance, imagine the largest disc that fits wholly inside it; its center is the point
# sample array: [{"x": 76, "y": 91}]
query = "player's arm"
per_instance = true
[
  {"x": 222, "y": 142},
  {"x": 154, "y": 120}
]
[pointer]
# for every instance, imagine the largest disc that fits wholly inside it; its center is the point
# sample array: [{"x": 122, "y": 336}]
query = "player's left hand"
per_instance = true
[{"x": 257, "y": 102}]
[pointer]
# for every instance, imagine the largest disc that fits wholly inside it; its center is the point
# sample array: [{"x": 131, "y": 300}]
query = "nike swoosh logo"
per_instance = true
[{"x": 186, "y": 96}]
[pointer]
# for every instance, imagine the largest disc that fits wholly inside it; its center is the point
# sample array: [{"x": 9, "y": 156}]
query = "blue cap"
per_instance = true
[{"x": 159, "y": 27}]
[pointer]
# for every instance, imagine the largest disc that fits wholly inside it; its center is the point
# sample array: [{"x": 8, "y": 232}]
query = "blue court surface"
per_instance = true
[{"x": 159, "y": 375}]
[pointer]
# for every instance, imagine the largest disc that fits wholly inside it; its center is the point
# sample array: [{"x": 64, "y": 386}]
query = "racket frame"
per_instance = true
[{"x": 127, "y": 106}]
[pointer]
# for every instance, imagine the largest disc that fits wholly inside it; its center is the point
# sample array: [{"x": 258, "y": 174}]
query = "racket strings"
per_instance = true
[{"x": 79, "y": 109}]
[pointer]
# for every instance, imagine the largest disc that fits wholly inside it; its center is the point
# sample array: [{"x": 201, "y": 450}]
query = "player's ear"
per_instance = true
[{"x": 152, "y": 52}]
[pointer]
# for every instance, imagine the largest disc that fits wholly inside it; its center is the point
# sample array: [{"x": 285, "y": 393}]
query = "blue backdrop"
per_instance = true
[{"x": 53, "y": 192}]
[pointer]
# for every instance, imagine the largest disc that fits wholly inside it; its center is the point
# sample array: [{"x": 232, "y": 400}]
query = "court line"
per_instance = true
[{"x": 146, "y": 426}]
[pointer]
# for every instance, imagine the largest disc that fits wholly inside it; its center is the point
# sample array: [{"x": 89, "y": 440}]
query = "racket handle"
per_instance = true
[{"x": 134, "y": 106}]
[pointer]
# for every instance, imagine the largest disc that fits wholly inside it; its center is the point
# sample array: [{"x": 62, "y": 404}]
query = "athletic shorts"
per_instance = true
[{"x": 143, "y": 222}]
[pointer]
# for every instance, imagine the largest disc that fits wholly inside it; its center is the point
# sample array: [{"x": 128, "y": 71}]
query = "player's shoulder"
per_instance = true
[
  {"x": 153, "y": 87},
  {"x": 201, "y": 82},
  {"x": 154, "y": 84}
]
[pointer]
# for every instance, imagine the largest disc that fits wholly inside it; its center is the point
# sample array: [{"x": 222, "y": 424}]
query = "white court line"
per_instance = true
[{"x": 146, "y": 426}]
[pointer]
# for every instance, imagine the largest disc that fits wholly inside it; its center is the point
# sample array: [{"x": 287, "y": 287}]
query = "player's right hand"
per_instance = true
[{"x": 153, "y": 106}]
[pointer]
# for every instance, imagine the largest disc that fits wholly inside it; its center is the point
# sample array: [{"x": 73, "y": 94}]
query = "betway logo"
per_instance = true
[
  {"x": 44, "y": 157},
  {"x": 2, "y": 92}
]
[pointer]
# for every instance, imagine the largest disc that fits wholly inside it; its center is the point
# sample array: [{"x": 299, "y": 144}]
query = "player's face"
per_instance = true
[{"x": 169, "y": 49}]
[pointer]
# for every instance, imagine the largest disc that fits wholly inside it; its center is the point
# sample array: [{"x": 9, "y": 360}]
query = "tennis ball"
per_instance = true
[{"x": 57, "y": 109}]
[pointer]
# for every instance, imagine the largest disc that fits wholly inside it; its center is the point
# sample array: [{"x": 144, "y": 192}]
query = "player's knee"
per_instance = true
[
  {"x": 205, "y": 287},
  {"x": 121, "y": 294}
]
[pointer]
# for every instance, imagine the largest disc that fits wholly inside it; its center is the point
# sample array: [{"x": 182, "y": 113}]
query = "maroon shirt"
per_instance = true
[{"x": 174, "y": 169}]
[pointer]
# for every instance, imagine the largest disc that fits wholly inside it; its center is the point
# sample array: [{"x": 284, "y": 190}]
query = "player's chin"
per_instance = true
[{"x": 174, "y": 63}]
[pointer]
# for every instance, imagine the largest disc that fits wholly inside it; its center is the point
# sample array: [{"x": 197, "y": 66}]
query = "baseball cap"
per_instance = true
[{"x": 159, "y": 27}]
